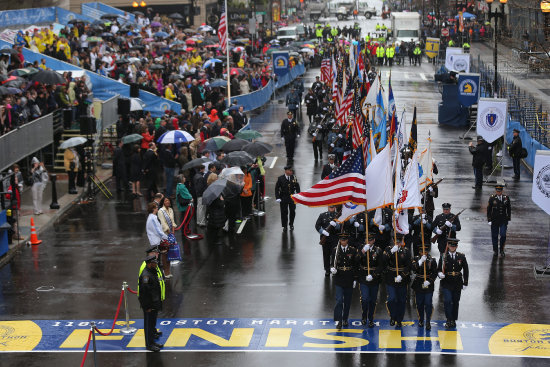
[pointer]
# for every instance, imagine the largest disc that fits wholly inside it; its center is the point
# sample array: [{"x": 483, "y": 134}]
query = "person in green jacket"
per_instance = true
[{"x": 183, "y": 197}]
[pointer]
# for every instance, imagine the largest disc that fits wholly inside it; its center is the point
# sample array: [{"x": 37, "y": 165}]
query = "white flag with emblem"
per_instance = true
[
  {"x": 349, "y": 210},
  {"x": 491, "y": 118},
  {"x": 541, "y": 180},
  {"x": 378, "y": 176}
]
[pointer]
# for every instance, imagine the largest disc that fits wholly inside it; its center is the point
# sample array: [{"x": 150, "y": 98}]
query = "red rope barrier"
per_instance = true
[
  {"x": 185, "y": 224},
  {"x": 86, "y": 350},
  {"x": 131, "y": 290},
  {"x": 116, "y": 316}
]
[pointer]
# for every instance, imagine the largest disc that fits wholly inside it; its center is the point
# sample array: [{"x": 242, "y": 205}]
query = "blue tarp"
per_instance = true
[
  {"x": 64, "y": 15},
  {"x": 526, "y": 140},
  {"x": 96, "y": 10},
  {"x": 10, "y": 18}
]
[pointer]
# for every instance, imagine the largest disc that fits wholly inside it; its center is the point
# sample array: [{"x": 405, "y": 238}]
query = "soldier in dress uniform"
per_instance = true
[
  {"x": 384, "y": 235},
  {"x": 499, "y": 212},
  {"x": 287, "y": 185},
  {"x": 329, "y": 167},
  {"x": 428, "y": 199},
  {"x": 317, "y": 85},
  {"x": 290, "y": 131},
  {"x": 453, "y": 272},
  {"x": 418, "y": 221},
  {"x": 424, "y": 287},
  {"x": 397, "y": 265},
  {"x": 318, "y": 137},
  {"x": 445, "y": 225},
  {"x": 370, "y": 269},
  {"x": 343, "y": 266},
  {"x": 328, "y": 228},
  {"x": 356, "y": 227}
]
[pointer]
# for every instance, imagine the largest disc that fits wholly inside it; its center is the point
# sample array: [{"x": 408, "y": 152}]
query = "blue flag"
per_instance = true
[{"x": 380, "y": 122}]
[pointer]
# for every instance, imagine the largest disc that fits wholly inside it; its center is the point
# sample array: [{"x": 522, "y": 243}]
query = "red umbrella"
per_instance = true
[
  {"x": 190, "y": 42},
  {"x": 212, "y": 46},
  {"x": 237, "y": 71},
  {"x": 188, "y": 49}
]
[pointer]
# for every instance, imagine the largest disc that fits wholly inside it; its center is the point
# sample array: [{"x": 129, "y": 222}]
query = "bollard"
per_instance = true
[
  {"x": 92, "y": 327},
  {"x": 127, "y": 329},
  {"x": 54, "y": 204}
]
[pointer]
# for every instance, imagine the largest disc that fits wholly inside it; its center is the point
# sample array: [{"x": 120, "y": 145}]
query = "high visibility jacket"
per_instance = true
[
  {"x": 451, "y": 43},
  {"x": 466, "y": 45},
  {"x": 161, "y": 280},
  {"x": 390, "y": 52},
  {"x": 319, "y": 32},
  {"x": 329, "y": 38},
  {"x": 334, "y": 31},
  {"x": 378, "y": 27},
  {"x": 367, "y": 38},
  {"x": 417, "y": 51},
  {"x": 380, "y": 51}
]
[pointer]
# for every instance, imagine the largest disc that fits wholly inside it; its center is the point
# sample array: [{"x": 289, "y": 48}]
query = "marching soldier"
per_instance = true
[
  {"x": 397, "y": 264},
  {"x": 356, "y": 228},
  {"x": 311, "y": 103},
  {"x": 150, "y": 298},
  {"x": 318, "y": 138},
  {"x": 344, "y": 270},
  {"x": 329, "y": 167},
  {"x": 287, "y": 185},
  {"x": 328, "y": 228},
  {"x": 424, "y": 287},
  {"x": 445, "y": 225},
  {"x": 383, "y": 235},
  {"x": 431, "y": 193},
  {"x": 453, "y": 272},
  {"x": 336, "y": 142},
  {"x": 317, "y": 86},
  {"x": 370, "y": 268},
  {"x": 293, "y": 101},
  {"x": 418, "y": 221},
  {"x": 499, "y": 212},
  {"x": 290, "y": 131}
]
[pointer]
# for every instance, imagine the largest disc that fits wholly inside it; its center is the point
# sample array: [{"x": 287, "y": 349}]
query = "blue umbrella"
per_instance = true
[
  {"x": 466, "y": 15},
  {"x": 175, "y": 137},
  {"x": 161, "y": 34},
  {"x": 234, "y": 107},
  {"x": 219, "y": 83},
  {"x": 210, "y": 62}
]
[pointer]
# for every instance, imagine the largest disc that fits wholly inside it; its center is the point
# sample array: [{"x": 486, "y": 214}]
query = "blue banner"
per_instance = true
[
  {"x": 64, "y": 16},
  {"x": 468, "y": 89},
  {"x": 10, "y": 18},
  {"x": 96, "y": 10},
  {"x": 281, "y": 64}
]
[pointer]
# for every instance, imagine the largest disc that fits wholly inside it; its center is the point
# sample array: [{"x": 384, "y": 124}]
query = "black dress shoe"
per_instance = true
[
  {"x": 502, "y": 254},
  {"x": 363, "y": 321},
  {"x": 453, "y": 323},
  {"x": 371, "y": 324},
  {"x": 398, "y": 324},
  {"x": 428, "y": 326},
  {"x": 158, "y": 334},
  {"x": 339, "y": 325},
  {"x": 448, "y": 324},
  {"x": 420, "y": 323},
  {"x": 153, "y": 348},
  {"x": 392, "y": 322},
  {"x": 292, "y": 228},
  {"x": 284, "y": 229},
  {"x": 158, "y": 345},
  {"x": 495, "y": 253},
  {"x": 346, "y": 323}
]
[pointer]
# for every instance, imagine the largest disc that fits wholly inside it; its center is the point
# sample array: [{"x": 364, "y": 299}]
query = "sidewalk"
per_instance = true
[{"x": 43, "y": 221}]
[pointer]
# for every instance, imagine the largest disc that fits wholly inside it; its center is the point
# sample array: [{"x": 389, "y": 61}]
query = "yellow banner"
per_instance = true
[{"x": 432, "y": 47}]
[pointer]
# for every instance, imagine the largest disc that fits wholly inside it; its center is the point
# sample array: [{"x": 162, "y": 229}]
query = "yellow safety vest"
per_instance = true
[
  {"x": 380, "y": 51},
  {"x": 466, "y": 45},
  {"x": 161, "y": 280},
  {"x": 390, "y": 52},
  {"x": 319, "y": 33},
  {"x": 417, "y": 51}
]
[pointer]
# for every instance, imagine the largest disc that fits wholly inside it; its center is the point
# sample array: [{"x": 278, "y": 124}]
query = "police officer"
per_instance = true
[
  {"x": 336, "y": 142},
  {"x": 285, "y": 186},
  {"x": 328, "y": 229},
  {"x": 318, "y": 137},
  {"x": 453, "y": 272},
  {"x": 479, "y": 153},
  {"x": 380, "y": 53},
  {"x": 421, "y": 223},
  {"x": 515, "y": 149},
  {"x": 370, "y": 268},
  {"x": 311, "y": 104},
  {"x": 423, "y": 287},
  {"x": 150, "y": 299},
  {"x": 293, "y": 101},
  {"x": 329, "y": 167},
  {"x": 397, "y": 264},
  {"x": 499, "y": 212},
  {"x": 390, "y": 53},
  {"x": 343, "y": 266},
  {"x": 290, "y": 131},
  {"x": 417, "y": 52},
  {"x": 445, "y": 225},
  {"x": 317, "y": 86}
]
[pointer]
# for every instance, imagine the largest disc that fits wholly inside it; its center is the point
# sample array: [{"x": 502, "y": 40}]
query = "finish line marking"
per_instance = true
[{"x": 283, "y": 335}]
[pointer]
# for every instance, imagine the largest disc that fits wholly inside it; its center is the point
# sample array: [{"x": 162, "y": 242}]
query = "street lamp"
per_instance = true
[{"x": 496, "y": 14}]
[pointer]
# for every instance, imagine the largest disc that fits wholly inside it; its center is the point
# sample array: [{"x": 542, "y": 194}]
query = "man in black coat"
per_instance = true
[
  {"x": 290, "y": 131},
  {"x": 119, "y": 168},
  {"x": 287, "y": 185},
  {"x": 150, "y": 300},
  {"x": 515, "y": 152},
  {"x": 499, "y": 213},
  {"x": 329, "y": 167},
  {"x": 198, "y": 186},
  {"x": 479, "y": 153},
  {"x": 311, "y": 104},
  {"x": 343, "y": 262},
  {"x": 328, "y": 229},
  {"x": 150, "y": 166}
]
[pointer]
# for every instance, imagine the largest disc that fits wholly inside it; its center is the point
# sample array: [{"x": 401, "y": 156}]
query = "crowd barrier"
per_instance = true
[{"x": 11, "y": 18}]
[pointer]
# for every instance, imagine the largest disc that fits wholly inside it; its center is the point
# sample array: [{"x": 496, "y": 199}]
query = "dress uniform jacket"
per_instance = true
[
  {"x": 499, "y": 211},
  {"x": 455, "y": 270},
  {"x": 284, "y": 188},
  {"x": 439, "y": 222},
  {"x": 357, "y": 235},
  {"x": 289, "y": 129},
  {"x": 323, "y": 221},
  {"x": 404, "y": 262},
  {"x": 375, "y": 262},
  {"x": 345, "y": 264},
  {"x": 431, "y": 274}
]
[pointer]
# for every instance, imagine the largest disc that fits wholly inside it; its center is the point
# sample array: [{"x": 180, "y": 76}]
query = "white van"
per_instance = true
[{"x": 288, "y": 34}]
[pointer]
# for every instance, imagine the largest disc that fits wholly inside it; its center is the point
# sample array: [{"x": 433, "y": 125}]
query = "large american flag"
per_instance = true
[
  {"x": 357, "y": 134},
  {"x": 345, "y": 184},
  {"x": 222, "y": 31},
  {"x": 325, "y": 70},
  {"x": 345, "y": 104}
]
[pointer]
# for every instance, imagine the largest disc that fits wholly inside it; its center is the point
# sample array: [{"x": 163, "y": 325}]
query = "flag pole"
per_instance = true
[
  {"x": 227, "y": 55},
  {"x": 395, "y": 210},
  {"x": 366, "y": 212}
]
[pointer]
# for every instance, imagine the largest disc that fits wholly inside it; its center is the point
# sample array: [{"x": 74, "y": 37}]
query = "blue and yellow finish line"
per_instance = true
[{"x": 312, "y": 335}]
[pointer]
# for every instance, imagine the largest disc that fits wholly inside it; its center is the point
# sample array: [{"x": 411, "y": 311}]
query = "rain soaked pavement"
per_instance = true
[{"x": 264, "y": 273}]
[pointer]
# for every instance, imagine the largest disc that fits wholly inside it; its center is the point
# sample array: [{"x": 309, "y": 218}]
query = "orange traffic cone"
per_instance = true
[{"x": 34, "y": 237}]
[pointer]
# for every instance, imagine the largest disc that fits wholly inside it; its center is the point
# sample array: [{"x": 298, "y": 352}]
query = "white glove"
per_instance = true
[
  {"x": 314, "y": 134},
  {"x": 464, "y": 287},
  {"x": 366, "y": 247},
  {"x": 423, "y": 215},
  {"x": 278, "y": 200},
  {"x": 448, "y": 224},
  {"x": 319, "y": 127},
  {"x": 398, "y": 279},
  {"x": 369, "y": 278},
  {"x": 283, "y": 139},
  {"x": 332, "y": 223},
  {"x": 424, "y": 221},
  {"x": 441, "y": 275},
  {"x": 430, "y": 189},
  {"x": 381, "y": 227},
  {"x": 332, "y": 145},
  {"x": 394, "y": 249},
  {"x": 356, "y": 224},
  {"x": 426, "y": 284},
  {"x": 339, "y": 135},
  {"x": 354, "y": 283},
  {"x": 438, "y": 231},
  {"x": 422, "y": 259},
  {"x": 333, "y": 270},
  {"x": 325, "y": 233},
  {"x": 298, "y": 136},
  {"x": 490, "y": 223}
]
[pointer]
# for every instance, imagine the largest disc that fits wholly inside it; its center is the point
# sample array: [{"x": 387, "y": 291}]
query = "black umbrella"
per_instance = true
[
  {"x": 219, "y": 83},
  {"x": 235, "y": 145},
  {"x": 74, "y": 21},
  {"x": 109, "y": 16},
  {"x": 106, "y": 34},
  {"x": 9, "y": 51},
  {"x": 254, "y": 60},
  {"x": 195, "y": 163},
  {"x": 122, "y": 62},
  {"x": 258, "y": 149},
  {"x": 156, "y": 67},
  {"x": 138, "y": 13},
  {"x": 48, "y": 77},
  {"x": 237, "y": 158},
  {"x": 176, "y": 16},
  {"x": 4, "y": 91},
  {"x": 219, "y": 187}
]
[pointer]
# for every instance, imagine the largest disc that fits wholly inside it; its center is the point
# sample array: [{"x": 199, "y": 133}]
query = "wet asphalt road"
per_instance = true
[{"x": 264, "y": 273}]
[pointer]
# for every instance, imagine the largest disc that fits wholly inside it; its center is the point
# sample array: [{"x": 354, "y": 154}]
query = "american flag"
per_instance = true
[
  {"x": 222, "y": 31},
  {"x": 348, "y": 146},
  {"x": 357, "y": 134},
  {"x": 337, "y": 85},
  {"x": 345, "y": 184},
  {"x": 345, "y": 105},
  {"x": 325, "y": 70}
]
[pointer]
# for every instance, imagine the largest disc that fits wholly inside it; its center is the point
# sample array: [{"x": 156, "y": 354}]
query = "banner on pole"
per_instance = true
[
  {"x": 281, "y": 63},
  {"x": 468, "y": 89},
  {"x": 456, "y": 59},
  {"x": 491, "y": 118},
  {"x": 432, "y": 47},
  {"x": 540, "y": 193}
]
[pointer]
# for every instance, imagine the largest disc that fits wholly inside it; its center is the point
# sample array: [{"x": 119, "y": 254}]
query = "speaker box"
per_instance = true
[
  {"x": 87, "y": 125},
  {"x": 134, "y": 90},
  {"x": 67, "y": 118},
  {"x": 123, "y": 106}
]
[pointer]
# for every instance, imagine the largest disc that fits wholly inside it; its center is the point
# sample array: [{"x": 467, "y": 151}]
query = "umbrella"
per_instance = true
[
  {"x": 195, "y": 163},
  {"x": 258, "y": 149},
  {"x": 136, "y": 104},
  {"x": 48, "y": 77},
  {"x": 233, "y": 174},
  {"x": 219, "y": 83},
  {"x": 122, "y": 62},
  {"x": 106, "y": 35},
  {"x": 4, "y": 91},
  {"x": 15, "y": 82},
  {"x": 156, "y": 67},
  {"x": 238, "y": 49},
  {"x": 307, "y": 50},
  {"x": 234, "y": 145},
  {"x": 219, "y": 187},
  {"x": 161, "y": 34},
  {"x": 138, "y": 13},
  {"x": 94, "y": 39},
  {"x": 13, "y": 90},
  {"x": 189, "y": 30},
  {"x": 156, "y": 24},
  {"x": 108, "y": 16},
  {"x": 74, "y": 21},
  {"x": 213, "y": 144},
  {"x": 210, "y": 62},
  {"x": 237, "y": 71},
  {"x": 73, "y": 142},
  {"x": 248, "y": 135},
  {"x": 24, "y": 71},
  {"x": 215, "y": 45},
  {"x": 132, "y": 138},
  {"x": 189, "y": 49},
  {"x": 176, "y": 16},
  {"x": 190, "y": 41},
  {"x": 237, "y": 159},
  {"x": 205, "y": 28},
  {"x": 308, "y": 45},
  {"x": 9, "y": 51},
  {"x": 466, "y": 15},
  {"x": 274, "y": 41},
  {"x": 255, "y": 60},
  {"x": 175, "y": 137}
]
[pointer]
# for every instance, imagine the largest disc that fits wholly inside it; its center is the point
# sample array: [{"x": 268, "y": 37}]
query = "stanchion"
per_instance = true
[
  {"x": 185, "y": 225},
  {"x": 127, "y": 329},
  {"x": 93, "y": 327},
  {"x": 54, "y": 204}
]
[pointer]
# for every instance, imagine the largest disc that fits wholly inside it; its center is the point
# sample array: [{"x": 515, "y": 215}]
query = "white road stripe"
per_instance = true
[
  {"x": 273, "y": 163},
  {"x": 241, "y": 227},
  {"x": 423, "y": 76}
]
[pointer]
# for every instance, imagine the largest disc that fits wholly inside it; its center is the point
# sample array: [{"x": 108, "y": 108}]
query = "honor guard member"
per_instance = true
[
  {"x": 293, "y": 100},
  {"x": 318, "y": 136},
  {"x": 383, "y": 235},
  {"x": 150, "y": 299},
  {"x": 290, "y": 131},
  {"x": 445, "y": 225},
  {"x": 317, "y": 85},
  {"x": 356, "y": 228},
  {"x": 311, "y": 104},
  {"x": 328, "y": 228},
  {"x": 344, "y": 272},
  {"x": 418, "y": 221},
  {"x": 431, "y": 193},
  {"x": 397, "y": 265},
  {"x": 336, "y": 142},
  {"x": 424, "y": 287},
  {"x": 287, "y": 185},
  {"x": 370, "y": 269},
  {"x": 453, "y": 272},
  {"x": 329, "y": 167},
  {"x": 499, "y": 213}
]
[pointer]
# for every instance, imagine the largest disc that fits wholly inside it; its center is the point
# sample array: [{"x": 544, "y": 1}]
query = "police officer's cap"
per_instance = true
[
  {"x": 344, "y": 235},
  {"x": 288, "y": 167},
  {"x": 151, "y": 259},
  {"x": 499, "y": 186},
  {"x": 152, "y": 249},
  {"x": 289, "y": 113},
  {"x": 479, "y": 138},
  {"x": 446, "y": 206},
  {"x": 331, "y": 156},
  {"x": 453, "y": 241},
  {"x": 317, "y": 77},
  {"x": 516, "y": 131}
]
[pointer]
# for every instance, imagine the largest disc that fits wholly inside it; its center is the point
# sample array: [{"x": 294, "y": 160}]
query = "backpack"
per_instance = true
[{"x": 523, "y": 153}]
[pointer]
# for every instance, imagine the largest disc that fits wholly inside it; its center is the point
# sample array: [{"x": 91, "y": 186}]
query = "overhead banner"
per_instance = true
[
  {"x": 541, "y": 180},
  {"x": 281, "y": 64},
  {"x": 432, "y": 47},
  {"x": 491, "y": 118},
  {"x": 468, "y": 89},
  {"x": 457, "y": 60}
]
